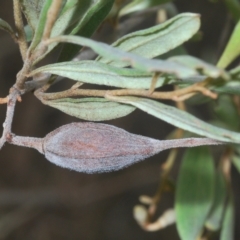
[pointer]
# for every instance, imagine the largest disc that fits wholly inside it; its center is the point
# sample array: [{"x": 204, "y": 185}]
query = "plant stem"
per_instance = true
[
  {"x": 7, "y": 125},
  {"x": 22, "y": 75},
  {"x": 22, "y": 41}
]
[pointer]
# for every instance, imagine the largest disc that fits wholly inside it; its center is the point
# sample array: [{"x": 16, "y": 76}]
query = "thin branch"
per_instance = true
[
  {"x": 176, "y": 95},
  {"x": 7, "y": 125},
  {"x": 154, "y": 82},
  {"x": 31, "y": 142},
  {"x": 22, "y": 41}
]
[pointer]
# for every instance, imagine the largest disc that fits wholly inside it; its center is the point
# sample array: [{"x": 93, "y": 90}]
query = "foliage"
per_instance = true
[{"x": 137, "y": 65}]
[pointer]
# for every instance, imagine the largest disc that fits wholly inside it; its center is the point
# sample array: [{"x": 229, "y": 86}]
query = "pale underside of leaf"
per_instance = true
[
  {"x": 138, "y": 62},
  {"x": 91, "y": 109},
  {"x": 102, "y": 74}
]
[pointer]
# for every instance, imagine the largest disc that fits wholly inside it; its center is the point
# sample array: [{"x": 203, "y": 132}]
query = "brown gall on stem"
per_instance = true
[{"x": 95, "y": 148}]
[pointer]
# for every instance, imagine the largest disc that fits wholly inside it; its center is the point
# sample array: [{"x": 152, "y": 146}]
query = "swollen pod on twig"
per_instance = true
[{"x": 94, "y": 147}]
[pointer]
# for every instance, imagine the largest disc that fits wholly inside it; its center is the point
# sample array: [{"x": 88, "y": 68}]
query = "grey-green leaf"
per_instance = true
[
  {"x": 215, "y": 217},
  {"x": 227, "y": 232},
  {"x": 89, "y": 22},
  {"x": 6, "y": 27},
  {"x": 180, "y": 118},
  {"x": 102, "y": 74},
  {"x": 201, "y": 66},
  {"x": 144, "y": 64},
  {"x": 195, "y": 188},
  {"x": 156, "y": 40},
  {"x": 91, "y": 109}
]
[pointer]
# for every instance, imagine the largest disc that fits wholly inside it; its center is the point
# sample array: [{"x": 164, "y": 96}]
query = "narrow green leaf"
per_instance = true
[
  {"x": 215, "y": 217},
  {"x": 195, "y": 188},
  {"x": 91, "y": 109},
  {"x": 201, "y": 66},
  {"x": 6, "y": 27},
  {"x": 139, "y": 5},
  {"x": 40, "y": 24},
  {"x": 179, "y": 118},
  {"x": 233, "y": 8},
  {"x": 102, "y": 74},
  {"x": 144, "y": 64},
  {"x": 156, "y": 40},
  {"x": 87, "y": 25},
  {"x": 227, "y": 232},
  {"x": 69, "y": 17},
  {"x": 236, "y": 162},
  {"x": 232, "y": 50}
]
